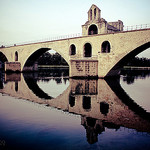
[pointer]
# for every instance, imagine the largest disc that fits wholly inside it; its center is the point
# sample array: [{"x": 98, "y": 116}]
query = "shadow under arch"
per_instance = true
[
  {"x": 34, "y": 56},
  {"x": 128, "y": 57},
  {"x": 31, "y": 60},
  {"x": 3, "y": 58},
  {"x": 124, "y": 97},
  {"x": 32, "y": 84}
]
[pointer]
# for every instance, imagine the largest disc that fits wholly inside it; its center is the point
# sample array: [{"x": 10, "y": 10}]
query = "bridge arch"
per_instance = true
[
  {"x": 32, "y": 85},
  {"x": 30, "y": 63},
  {"x": 93, "y": 30},
  {"x": 124, "y": 59},
  {"x": 33, "y": 57},
  {"x": 3, "y": 58},
  {"x": 87, "y": 50}
]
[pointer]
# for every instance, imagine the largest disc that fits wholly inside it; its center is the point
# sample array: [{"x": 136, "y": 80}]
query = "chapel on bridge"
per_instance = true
[{"x": 98, "y": 25}]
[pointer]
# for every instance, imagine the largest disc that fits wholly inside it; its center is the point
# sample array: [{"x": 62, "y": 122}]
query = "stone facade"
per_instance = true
[
  {"x": 82, "y": 68},
  {"x": 98, "y": 25}
]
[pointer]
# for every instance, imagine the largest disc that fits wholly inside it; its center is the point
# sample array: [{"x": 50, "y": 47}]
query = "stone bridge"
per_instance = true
[
  {"x": 123, "y": 46},
  {"x": 101, "y": 51}
]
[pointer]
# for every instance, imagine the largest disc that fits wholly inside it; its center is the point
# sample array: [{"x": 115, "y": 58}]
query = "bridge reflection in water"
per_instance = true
[{"x": 101, "y": 103}]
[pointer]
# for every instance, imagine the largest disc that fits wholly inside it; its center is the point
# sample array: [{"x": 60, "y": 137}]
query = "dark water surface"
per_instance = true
[{"x": 49, "y": 111}]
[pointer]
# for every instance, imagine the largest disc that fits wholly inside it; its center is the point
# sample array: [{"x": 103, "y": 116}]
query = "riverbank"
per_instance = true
[
  {"x": 136, "y": 68},
  {"x": 52, "y": 66}
]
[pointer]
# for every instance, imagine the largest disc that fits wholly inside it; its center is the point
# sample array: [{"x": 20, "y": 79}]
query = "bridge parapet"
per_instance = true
[
  {"x": 81, "y": 57},
  {"x": 94, "y": 55},
  {"x": 75, "y": 35},
  {"x": 136, "y": 27}
]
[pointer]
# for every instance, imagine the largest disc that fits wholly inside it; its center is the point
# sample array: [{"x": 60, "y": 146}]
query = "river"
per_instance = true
[{"x": 49, "y": 111}]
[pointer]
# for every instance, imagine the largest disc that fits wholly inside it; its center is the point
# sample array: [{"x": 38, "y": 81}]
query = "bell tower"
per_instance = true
[
  {"x": 94, "y": 13},
  {"x": 98, "y": 25},
  {"x": 92, "y": 25}
]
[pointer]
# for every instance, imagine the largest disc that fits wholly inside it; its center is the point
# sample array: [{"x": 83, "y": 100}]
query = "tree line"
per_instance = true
[
  {"x": 51, "y": 59},
  {"x": 56, "y": 59},
  {"x": 139, "y": 62}
]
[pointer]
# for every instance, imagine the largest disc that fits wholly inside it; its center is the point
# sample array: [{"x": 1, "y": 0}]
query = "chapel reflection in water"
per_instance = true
[{"x": 101, "y": 103}]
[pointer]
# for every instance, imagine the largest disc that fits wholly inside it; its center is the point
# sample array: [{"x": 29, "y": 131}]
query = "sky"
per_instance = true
[{"x": 32, "y": 20}]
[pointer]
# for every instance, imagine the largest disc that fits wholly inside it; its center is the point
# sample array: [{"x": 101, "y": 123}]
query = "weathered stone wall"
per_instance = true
[
  {"x": 82, "y": 68},
  {"x": 118, "y": 24}
]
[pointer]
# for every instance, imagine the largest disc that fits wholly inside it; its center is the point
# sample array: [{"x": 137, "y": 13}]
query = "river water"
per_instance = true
[{"x": 49, "y": 111}]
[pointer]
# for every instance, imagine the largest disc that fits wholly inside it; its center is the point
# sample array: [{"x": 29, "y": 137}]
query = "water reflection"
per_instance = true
[
  {"x": 104, "y": 108},
  {"x": 1, "y": 81},
  {"x": 31, "y": 81},
  {"x": 95, "y": 127},
  {"x": 101, "y": 103},
  {"x": 129, "y": 76},
  {"x": 53, "y": 72}
]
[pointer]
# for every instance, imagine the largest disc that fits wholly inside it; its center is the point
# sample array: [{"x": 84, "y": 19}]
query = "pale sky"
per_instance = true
[{"x": 32, "y": 20}]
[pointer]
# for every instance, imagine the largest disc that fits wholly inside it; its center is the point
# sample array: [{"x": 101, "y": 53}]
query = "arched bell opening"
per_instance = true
[{"x": 93, "y": 30}]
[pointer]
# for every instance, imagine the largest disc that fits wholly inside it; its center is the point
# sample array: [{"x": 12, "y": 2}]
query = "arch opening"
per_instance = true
[
  {"x": 16, "y": 56},
  {"x": 122, "y": 62},
  {"x": 93, "y": 30},
  {"x": 105, "y": 48},
  {"x": 43, "y": 56},
  {"x": 72, "y": 49},
  {"x": 3, "y": 59},
  {"x": 87, "y": 50}
]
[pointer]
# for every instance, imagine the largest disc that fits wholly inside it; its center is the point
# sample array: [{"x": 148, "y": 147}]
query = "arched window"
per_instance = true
[
  {"x": 87, "y": 50},
  {"x": 72, "y": 49},
  {"x": 95, "y": 13},
  {"x": 93, "y": 29},
  {"x": 16, "y": 56},
  {"x": 91, "y": 14},
  {"x": 105, "y": 48}
]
